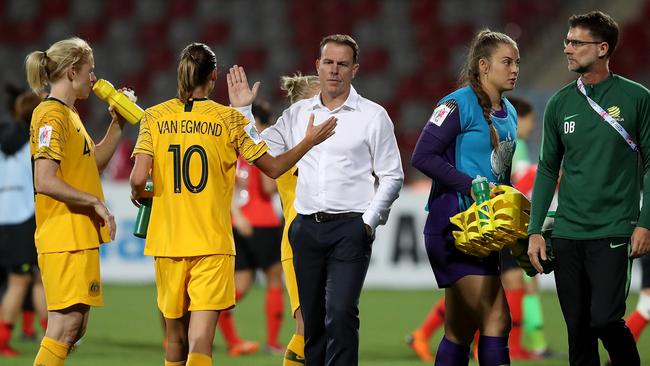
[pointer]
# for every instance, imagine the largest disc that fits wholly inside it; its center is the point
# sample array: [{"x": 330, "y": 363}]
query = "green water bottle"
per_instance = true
[
  {"x": 142, "y": 220},
  {"x": 481, "y": 189}
]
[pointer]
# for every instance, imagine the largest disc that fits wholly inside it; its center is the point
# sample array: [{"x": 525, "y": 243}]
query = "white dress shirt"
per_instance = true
[{"x": 336, "y": 176}]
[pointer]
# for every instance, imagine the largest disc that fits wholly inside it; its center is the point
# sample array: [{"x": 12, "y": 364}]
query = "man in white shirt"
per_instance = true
[{"x": 338, "y": 204}]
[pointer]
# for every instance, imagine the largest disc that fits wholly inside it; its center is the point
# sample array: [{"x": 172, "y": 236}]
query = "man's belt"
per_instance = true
[{"x": 325, "y": 217}]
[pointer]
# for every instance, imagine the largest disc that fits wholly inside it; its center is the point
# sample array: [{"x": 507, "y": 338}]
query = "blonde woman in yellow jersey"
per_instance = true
[
  {"x": 71, "y": 217},
  {"x": 297, "y": 87},
  {"x": 189, "y": 146}
]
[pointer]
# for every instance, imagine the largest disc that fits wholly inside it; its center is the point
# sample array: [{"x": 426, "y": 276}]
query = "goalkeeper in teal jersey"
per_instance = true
[{"x": 598, "y": 129}]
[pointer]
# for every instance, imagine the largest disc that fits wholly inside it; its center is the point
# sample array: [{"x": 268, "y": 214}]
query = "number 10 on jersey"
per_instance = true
[{"x": 182, "y": 167}]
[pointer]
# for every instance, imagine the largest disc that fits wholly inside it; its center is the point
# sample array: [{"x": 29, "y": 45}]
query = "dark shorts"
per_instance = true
[
  {"x": 261, "y": 250},
  {"x": 508, "y": 262},
  {"x": 449, "y": 264},
  {"x": 17, "y": 247},
  {"x": 645, "y": 271}
]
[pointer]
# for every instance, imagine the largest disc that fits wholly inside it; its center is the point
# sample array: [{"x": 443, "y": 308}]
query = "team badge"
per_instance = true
[
  {"x": 93, "y": 289},
  {"x": 501, "y": 158},
  {"x": 442, "y": 111},
  {"x": 251, "y": 131},
  {"x": 615, "y": 112},
  {"x": 44, "y": 136}
]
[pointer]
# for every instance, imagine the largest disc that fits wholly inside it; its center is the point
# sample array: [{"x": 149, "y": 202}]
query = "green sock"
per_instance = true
[{"x": 533, "y": 323}]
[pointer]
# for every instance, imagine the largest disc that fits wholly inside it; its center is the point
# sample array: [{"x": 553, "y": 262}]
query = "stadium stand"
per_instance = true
[{"x": 410, "y": 50}]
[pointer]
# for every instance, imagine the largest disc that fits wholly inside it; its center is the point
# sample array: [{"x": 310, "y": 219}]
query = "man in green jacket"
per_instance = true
[{"x": 598, "y": 129}]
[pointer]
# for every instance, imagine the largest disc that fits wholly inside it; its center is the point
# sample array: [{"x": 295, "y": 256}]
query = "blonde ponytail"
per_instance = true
[
  {"x": 35, "y": 68},
  {"x": 45, "y": 67}
]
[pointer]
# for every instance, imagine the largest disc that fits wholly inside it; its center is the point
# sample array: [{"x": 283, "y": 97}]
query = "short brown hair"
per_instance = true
[
  {"x": 343, "y": 39},
  {"x": 600, "y": 25}
]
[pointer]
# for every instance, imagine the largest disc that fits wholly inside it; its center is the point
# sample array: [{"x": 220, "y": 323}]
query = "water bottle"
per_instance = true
[
  {"x": 122, "y": 103},
  {"x": 144, "y": 212},
  {"x": 481, "y": 189}
]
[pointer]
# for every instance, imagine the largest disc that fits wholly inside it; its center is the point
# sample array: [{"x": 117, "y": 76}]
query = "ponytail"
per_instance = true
[
  {"x": 45, "y": 67},
  {"x": 36, "y": 70}
]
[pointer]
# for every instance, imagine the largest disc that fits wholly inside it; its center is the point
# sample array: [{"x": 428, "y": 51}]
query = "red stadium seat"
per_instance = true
[
  {"x": 213, "y": 33},
  {"x": 119, "y": 8},
  {"x": 25, "y": 32},
  {"x": 254, "y": 59},
  {"x": 180, "y": 8},
  {"x": 152, "y": 33},
  {"x": 159, "y": 58},
  {"x": 54, "y": 9},
  {"x": 374, "y": 60},
  {"x": 93, "y": 31}
]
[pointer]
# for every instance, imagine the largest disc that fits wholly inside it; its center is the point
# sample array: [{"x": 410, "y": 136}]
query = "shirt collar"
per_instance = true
[{"x": 351, "y": 103}]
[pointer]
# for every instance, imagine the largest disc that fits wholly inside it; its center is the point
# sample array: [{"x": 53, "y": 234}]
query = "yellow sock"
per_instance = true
[
  {"x": 295, "y": 354},
  {"x": 198, "y": 359},
  {"x": 51, "y": 353},
  {"x": 174, "y": 363}
]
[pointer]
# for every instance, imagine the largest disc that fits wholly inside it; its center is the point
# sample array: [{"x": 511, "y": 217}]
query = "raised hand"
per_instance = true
[
  {"x": 239, "y": 92},
  {"x": 317, "y": 134}
]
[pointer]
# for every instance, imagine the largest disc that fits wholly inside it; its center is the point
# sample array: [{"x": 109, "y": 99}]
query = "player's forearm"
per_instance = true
[
  {"x": 276, "y": 166},
  {"x": 56, "y": 188},
  {"x": 105, "y": 149},
  {"x": 139, "y": 176}
]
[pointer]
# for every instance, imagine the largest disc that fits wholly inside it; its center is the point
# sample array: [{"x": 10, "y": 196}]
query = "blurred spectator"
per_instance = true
[{"x": 17, "y": 222}]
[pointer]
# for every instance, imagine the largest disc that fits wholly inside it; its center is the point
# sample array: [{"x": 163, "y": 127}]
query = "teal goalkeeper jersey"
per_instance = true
[{"x": 600, "y": 186}]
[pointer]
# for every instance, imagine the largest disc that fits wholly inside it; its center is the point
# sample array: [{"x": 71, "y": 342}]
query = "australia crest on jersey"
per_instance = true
[{"x": 501, "y": 158}]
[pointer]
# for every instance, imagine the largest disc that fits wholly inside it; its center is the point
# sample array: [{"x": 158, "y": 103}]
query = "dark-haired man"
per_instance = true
[
  {"x": 337, "y": 202},
  {"x": 598, "y": 128}
]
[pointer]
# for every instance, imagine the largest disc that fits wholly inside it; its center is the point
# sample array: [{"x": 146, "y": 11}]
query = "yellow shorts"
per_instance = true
[
  {"x": 291, "y": 284},
  {"x": 195, "y": 283},
  {"x": 71, "y": 278}
]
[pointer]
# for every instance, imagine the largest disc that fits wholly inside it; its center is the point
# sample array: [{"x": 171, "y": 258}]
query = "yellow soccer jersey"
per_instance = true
[
  {"x": 287, "y": 190},
  {"x": 194, "y": 148},
  {"x": 57, "y": 133}
]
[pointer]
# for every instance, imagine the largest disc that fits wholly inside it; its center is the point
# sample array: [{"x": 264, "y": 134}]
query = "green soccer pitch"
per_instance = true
[{"x": 127, "y": 331}]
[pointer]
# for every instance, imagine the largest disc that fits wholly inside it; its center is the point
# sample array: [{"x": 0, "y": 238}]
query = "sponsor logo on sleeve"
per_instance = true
[
  {"x": 441, "y": 112},
  {"x": 251, "y": 131},
  {"x": 44, "y": 136}
]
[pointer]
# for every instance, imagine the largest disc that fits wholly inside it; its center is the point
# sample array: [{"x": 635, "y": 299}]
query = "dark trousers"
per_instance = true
[
  {"x": 592, "y": 279},
  {"x": 331, "y": 260}
]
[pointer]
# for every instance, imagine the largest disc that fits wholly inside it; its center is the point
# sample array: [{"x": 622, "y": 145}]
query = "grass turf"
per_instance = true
[{"x": 127, "y": 330}]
